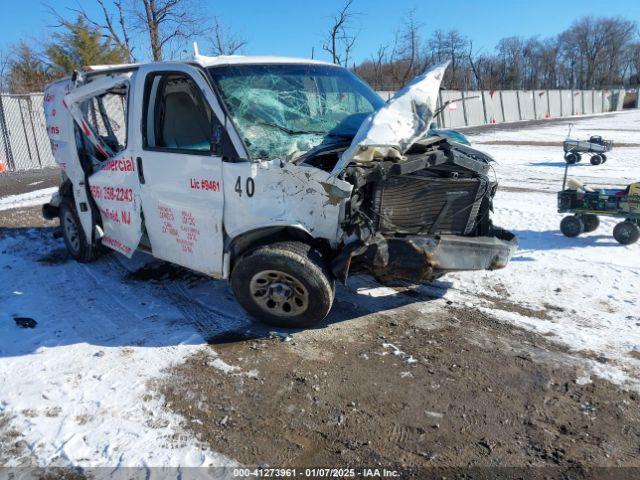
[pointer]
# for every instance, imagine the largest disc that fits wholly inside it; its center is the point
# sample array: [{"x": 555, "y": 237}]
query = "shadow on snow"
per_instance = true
[{"x": 105, "y": 304}]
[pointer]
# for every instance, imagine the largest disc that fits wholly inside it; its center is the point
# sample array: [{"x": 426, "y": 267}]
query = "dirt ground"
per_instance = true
[
  {"x": 400, "y": 390},
  {"x": 423, "y": 385}
]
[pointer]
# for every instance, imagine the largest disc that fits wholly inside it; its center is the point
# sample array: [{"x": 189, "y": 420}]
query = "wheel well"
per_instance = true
[
  {"x": 66, "y": 189},
  {"x": 264, "y": 236}
]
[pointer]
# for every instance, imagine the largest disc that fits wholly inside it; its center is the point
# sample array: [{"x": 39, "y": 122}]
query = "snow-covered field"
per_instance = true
[
  {"x": 593, "y": 279},
  {"x": 77, "y": 386}
]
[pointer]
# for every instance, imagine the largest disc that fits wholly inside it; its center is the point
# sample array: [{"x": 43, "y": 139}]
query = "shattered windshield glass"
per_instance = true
[{"x": 283, "y": 110}]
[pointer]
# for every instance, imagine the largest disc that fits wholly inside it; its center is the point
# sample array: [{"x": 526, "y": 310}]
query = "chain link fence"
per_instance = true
[{"x": 24, "y": 144}]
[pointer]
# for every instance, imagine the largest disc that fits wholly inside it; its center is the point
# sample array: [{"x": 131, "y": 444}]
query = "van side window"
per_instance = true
[
  {"x": 107, "y": 115},
  {"x": 177, "y": 117}
]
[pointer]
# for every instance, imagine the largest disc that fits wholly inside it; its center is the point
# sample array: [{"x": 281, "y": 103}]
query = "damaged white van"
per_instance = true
[{"x": 281, "y": 175}]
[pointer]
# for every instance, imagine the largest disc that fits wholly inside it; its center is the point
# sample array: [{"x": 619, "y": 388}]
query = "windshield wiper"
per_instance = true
[{"x": 291, "y": 131}]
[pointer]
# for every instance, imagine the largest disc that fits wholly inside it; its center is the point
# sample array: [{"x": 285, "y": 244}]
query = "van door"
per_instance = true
[
  {"x": 180, "y": 167},
  {"x": 100, "y": 110}
]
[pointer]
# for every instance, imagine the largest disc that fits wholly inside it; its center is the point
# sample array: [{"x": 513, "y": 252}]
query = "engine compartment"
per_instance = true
[{"x": 400, "y": 207}]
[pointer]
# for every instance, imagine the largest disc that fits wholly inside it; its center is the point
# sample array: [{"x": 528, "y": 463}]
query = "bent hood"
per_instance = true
[{"x": 391, "y": 130}]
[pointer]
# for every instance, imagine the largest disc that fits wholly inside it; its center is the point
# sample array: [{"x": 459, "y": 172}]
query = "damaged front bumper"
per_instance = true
[{"x": 419, "y": 258}]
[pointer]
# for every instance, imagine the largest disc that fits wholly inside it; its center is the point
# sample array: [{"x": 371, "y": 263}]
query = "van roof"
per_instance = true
[
  {"x": 249, "y": 60},
  {"x": 220, "y": 60}
]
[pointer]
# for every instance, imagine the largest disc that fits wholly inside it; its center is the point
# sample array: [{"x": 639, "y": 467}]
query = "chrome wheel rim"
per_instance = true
[
  {"x": 71, "y": 231},
  {"x": 279, "y": 293}
]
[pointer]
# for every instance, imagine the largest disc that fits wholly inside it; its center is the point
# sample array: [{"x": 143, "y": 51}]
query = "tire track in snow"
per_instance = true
[{"x": 208, "y": 320}]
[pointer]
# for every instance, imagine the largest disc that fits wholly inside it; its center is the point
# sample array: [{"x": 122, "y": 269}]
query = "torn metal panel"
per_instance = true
[
  {"x": 274, "y": 193},
  {"x": 62, "y": 133},
  {"x": 393, "y": 129},
  {"x": 424, "y": 258}
]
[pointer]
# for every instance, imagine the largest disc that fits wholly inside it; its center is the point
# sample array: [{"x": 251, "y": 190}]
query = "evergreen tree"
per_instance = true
[
  {"x": 27, "y": 70},
  {"x": 81, "y": 45}
]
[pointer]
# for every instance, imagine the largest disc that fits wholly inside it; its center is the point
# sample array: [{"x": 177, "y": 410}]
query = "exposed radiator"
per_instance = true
[{"x": 418, "y": 204}]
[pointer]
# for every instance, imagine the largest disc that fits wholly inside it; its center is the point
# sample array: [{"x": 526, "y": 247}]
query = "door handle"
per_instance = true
[{"x": 140, "y": 170}]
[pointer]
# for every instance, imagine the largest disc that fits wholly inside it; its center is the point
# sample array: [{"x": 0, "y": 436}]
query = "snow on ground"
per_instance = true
[
  {"x": 76, "y": 386},
  {"x": 592, "y": 279},
  {"x": 30, "y": 199}
]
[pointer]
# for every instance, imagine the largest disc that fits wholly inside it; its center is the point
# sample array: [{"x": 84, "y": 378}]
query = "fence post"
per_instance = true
[
  {"x": 33, "y": 130},
  {"x": 519, "y": 107},
  {"x": 464, "y": 108},
  {"x": 5, "y": 136},
  {"x": 24, "y": 129},
  {"x": 549, "y": 104},
  {"x": 484, "y": 107}
]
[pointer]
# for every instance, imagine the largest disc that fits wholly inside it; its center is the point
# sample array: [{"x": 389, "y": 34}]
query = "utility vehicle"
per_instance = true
[
  {"x": 573, "y": 149},
  {"x": 587, "y": 203},
  {"x": 281, "y": 175}
]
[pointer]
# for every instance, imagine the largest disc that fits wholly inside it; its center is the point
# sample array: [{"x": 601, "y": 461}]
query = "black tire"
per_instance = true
[
  {"x": 285, "y": 284},
  {"x": 596, "y": 160},
  {"x": 591, "y": 222},
  {"x": 571, "y": 226},
  {"x": 626, "y": 233},
  {"x": 571, "y": 157},
  {"x": 579, "y": 157},
  {"x": 74, "y": 238},
  {"x": 604, "y": 157}
]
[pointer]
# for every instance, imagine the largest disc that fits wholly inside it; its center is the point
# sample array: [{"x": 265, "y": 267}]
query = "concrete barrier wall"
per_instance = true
[
  {"x": 597, "y": 101},
  {"x": 607, "y": 97},
  {"x": 620, "y": 100},
  {"x": 577, "y": 103},
  {"x": 587, "y": 102},
  {"x": 510, "y": 106},
  {"x": 541, "y": 103},
  {"x": 478, "y": 108},
  {"x": 492, "y": 106},
  {"x": 474, "y": 108},
  {"x": 453, "y": 114},
  {"x": 555, "y": 107},
  {"x": 566, "y": 102},
  {"x": 527, "y": 110}
]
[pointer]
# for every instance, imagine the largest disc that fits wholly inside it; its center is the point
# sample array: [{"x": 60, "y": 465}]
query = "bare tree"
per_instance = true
[
  {"x": 113, "y": 24},
  {"x": 163, "y": 22},
  {"x": 28, "y": 72},
  {"x": 5, "y": 60},
  {"x": 405, "y": 55},
  {"x": 595, "y": 49},
  {"x": 166, "y": 22},
  {"x": 341, "y": 36},
  {"x": 224, "y": 42},
  {"x": 452, "y": 46}
]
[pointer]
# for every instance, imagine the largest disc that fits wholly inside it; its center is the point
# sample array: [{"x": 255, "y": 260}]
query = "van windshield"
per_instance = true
[{"x": 282, "y": 110}]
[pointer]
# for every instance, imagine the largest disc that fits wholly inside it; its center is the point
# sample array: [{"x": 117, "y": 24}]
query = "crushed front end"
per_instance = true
[{"x": 424, "y": 215}]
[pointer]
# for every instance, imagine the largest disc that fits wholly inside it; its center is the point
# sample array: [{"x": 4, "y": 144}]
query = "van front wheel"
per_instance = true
[
  {"x": 285, "y": 284},
  {"x": 73, "y": 234}
]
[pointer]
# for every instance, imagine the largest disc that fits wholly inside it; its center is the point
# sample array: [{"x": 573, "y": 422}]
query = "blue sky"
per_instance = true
[{"x": 288, "y": 27}]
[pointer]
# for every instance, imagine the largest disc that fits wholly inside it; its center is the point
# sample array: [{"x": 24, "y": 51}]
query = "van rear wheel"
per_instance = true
[
  {"x": 285, "y": 284},
  {"x": 74, "y": 238}
]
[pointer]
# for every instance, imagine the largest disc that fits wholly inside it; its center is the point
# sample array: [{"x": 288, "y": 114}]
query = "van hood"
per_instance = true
[{"x": 392, "y": 129}]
